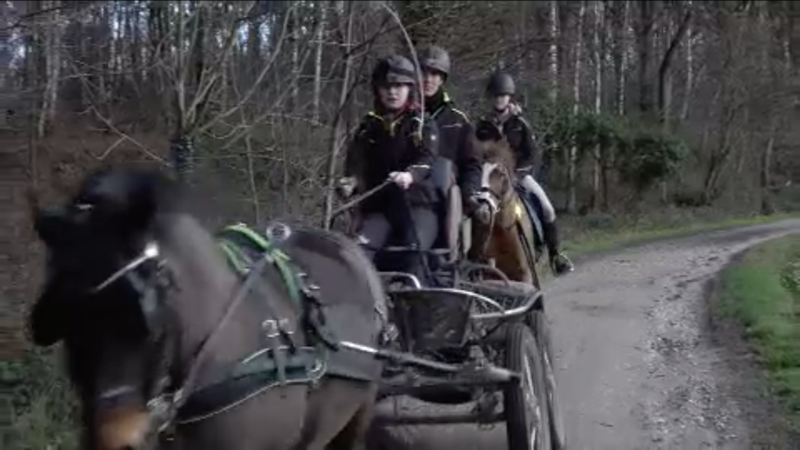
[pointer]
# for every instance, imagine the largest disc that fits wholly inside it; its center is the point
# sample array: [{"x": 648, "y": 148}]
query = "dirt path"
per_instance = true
[{"x": 636, "y": 365}]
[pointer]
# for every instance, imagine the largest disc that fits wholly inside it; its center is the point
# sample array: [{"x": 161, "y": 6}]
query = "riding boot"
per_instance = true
[{"x": 559, "y": 262}]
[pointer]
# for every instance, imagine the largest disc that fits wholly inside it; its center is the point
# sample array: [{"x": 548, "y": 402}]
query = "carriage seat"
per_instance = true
[{"x": 454, "y": 228}]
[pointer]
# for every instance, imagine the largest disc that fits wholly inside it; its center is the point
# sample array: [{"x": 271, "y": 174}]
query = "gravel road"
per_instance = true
[{"x": 635, "y": 360}]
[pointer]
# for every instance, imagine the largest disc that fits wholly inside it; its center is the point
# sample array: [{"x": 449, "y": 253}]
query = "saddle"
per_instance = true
[{"x": 534, "y": 212}]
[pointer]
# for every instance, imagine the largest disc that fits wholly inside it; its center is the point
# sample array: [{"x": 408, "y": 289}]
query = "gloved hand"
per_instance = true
[
  {"x": 481, "y": 210},
  {"x": 402, "y": 179},
  {"x": 345, "y": 186}
]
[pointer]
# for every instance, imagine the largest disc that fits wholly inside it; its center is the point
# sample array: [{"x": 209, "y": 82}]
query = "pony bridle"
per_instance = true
[
  {"x": 159, "y": 401},
  {"x": 169, "y": 394},
  {"x": 486, "y": 194}
]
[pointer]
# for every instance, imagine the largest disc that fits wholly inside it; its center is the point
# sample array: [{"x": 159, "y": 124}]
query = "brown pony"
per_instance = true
[{"x": 508, "y": 238}]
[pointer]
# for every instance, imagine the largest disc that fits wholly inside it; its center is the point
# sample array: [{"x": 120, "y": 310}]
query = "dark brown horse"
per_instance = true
[
  {"x": 155, "y": 321},
  {"x": 508, "y": 239}
]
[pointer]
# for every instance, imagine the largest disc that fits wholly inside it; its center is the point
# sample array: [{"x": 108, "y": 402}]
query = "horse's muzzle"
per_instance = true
[{"x": 123, "y": 429}]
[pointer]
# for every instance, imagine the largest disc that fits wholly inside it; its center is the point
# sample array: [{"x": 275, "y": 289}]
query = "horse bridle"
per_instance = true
[
  {"x": 168, "y": 395},
  {"x": 151, "y": 291}
]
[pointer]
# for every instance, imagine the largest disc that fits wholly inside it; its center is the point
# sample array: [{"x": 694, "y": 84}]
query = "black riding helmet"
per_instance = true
[
  {"x": 435, "y": 58},
  {"x": 394, "y": 69},
  {"x": 500, "y": 83}
]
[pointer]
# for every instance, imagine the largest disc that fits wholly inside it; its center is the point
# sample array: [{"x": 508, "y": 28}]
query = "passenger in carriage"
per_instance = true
[
  {"x": 395, "y": 142},
  {"x": 455, "y": 129},
  {"x": 505, "y": 120}
]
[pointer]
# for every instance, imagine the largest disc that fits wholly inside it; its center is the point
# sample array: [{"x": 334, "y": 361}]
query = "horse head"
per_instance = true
[
  {"x": 102, "y": 297},
  {"x": 497, "y": 182}
]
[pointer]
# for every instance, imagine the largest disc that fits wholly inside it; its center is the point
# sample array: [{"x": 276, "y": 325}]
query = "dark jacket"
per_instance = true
[
  {"x": 383, "y": 145},
  {"x": 517, "y": 132},
  {"x": 456, "y": 144}
]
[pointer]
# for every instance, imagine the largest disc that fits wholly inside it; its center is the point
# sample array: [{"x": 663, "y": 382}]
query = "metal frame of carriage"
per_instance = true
[{"x": 452, "y": 336}]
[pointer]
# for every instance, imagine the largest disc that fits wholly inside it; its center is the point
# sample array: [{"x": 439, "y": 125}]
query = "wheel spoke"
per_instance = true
[{"x": 532, "y": 403}]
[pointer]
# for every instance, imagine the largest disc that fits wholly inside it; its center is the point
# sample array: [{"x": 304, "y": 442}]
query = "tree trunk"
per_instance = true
[
  {"x": 664, "y": 78},
  {"x": 51, "y": 50},
  {"x": 572, "y": 160},
  {"x": 338, "y": 130},
  {"x": 599, "y": 54},
  {"x": 645, "y": 43},
  {"x": 320, "y": 36},
  {"x": 766, "y": 179},
  {"x": 689, "y": 52},
  {"x": 621, "y": 57},
  {"x": 553, "y": 51},
  {"x": 295, "y": 81}
]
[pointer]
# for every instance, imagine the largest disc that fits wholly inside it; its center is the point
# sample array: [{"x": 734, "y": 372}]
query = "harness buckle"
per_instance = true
[{"x": 271, "y": 328}]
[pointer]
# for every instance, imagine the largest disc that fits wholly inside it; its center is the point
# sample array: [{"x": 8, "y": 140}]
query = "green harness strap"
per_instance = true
[{"x": 276, "y": 257}]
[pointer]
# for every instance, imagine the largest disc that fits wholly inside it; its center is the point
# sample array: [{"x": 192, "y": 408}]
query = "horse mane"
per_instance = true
[{"x": 496, "y": 151}]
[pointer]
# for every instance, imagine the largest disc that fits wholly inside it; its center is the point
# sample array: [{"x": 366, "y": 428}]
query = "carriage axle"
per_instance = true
[{"x": 449, "y": 419}]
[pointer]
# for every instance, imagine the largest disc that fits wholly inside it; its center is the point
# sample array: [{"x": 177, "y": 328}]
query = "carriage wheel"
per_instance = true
[
  {"x": 558, "y": 435},
  {"x": 527, "y": 418},
  {"x": 530, "y": 255}
]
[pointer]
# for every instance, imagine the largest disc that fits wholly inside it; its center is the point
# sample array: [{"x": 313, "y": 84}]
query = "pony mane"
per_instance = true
[{"x": 496, "y": 151}]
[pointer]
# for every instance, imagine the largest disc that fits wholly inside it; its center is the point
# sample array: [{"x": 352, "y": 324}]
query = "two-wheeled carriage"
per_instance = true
[{"x": 464, "y": 339}]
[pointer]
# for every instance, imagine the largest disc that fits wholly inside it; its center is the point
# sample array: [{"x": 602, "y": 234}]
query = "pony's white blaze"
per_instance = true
[{"x": 488, "y": 168}]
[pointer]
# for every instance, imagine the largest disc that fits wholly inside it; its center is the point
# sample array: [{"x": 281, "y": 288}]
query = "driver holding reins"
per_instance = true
[
  {"x": 395, "y": 142},
  {"x": 505, "y": 120}
]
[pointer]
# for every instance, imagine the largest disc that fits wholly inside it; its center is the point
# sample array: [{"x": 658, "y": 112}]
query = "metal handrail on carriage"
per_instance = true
[
  {"x": 473, "y": 319},
  {"x": 460, "y": 271}
]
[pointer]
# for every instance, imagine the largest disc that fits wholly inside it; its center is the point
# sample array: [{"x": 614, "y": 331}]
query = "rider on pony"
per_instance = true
[
  {"x": 505, "y": 121},
  {"x": 397, "y": 143}
]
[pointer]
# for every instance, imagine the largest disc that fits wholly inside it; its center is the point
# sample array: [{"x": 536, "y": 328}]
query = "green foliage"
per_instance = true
[
  {"x": 648, "y": 155},
  {"x": 643, "y": 154},
  {"x": 41, "y": 406}
]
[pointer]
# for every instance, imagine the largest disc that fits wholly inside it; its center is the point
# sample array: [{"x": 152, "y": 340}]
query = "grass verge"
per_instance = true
[
  {"x": 762, "y": 292},
  {"x": 592, "y": 234}
]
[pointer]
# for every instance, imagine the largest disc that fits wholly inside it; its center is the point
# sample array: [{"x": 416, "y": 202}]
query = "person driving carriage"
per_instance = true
[
  {"x": 395, "y": 142},
  {"x": 505, "y": 120}
]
